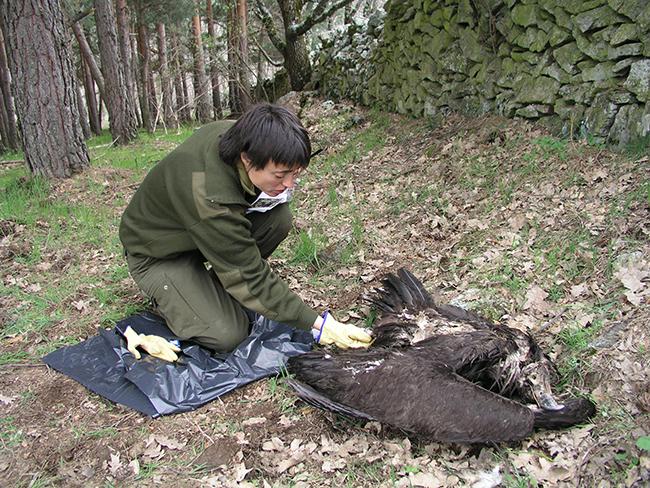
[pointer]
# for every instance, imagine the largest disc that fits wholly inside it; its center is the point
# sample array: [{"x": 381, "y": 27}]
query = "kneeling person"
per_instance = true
[{"x": 199, "y": 228}]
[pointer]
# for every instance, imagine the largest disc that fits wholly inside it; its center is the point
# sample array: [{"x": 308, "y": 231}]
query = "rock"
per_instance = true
[
  {"x": 557, "y": 73},
  {"x": 292, "y": 101},
  {"x": 577, "y": 6},
  {"x": 453, "y": 59},
  {"x": 548, "y": 5},
  {"x": 557, "y": 36},
  {"x": 568, "y": 56},
  {"x": 534, "y": 111},
  {"x": 625, "y": 51},
  {"x": 621, "y": 97},
  {"x": 562, "y": 18},
  {"x": 533, "y": 39},
  {"x": 624, "y": 33},
  {"x": 621, "y": 66},
  {"x": 465, "y": 13},
  {"x": 599, "y": 117},
  {"x": 579, "y": 93},
  {"x": 599, "y": 72},
  {"x": 540, "y": 89},
  {"x": 509, "y": 73},
  {"x": 527, "y": 56},
  {"x": 470, "y": 45},
  {"x": 438, "y": 44},
  {"x": 525, "y": 15},
  {"x": 504, "y": 103},
  {"x": 597, "y": 50},
  {"x": 638, "y": 81},
  {"x": 629, "y": 8},
  {"x": 596, "y": 18}
]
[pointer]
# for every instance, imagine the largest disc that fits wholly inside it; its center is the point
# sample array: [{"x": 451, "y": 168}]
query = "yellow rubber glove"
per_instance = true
[
  {"x": 155, "y": 345},
  {"x": 342, "y": 335}
]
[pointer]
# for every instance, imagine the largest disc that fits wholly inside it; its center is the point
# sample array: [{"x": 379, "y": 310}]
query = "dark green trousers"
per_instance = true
[{"x": 191, "y": 298}]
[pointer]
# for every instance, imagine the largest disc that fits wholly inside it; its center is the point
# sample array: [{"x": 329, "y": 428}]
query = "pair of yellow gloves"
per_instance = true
[{"x": 331, "y": 332}]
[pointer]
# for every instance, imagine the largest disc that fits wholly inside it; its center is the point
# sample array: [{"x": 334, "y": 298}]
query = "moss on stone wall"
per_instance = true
[{"x": 569, "y": 63}]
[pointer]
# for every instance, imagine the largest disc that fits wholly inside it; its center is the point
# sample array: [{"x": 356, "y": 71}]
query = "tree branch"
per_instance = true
[
  {"x": 316, "y": 16},
  {"x": 277, "y": 64},
  {"x": 81, "y": 15},
  {"x": 267, "y": 21}
]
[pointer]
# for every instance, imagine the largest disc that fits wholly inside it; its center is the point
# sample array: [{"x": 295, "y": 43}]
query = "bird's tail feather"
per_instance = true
[{"x": 402, "y": 291}]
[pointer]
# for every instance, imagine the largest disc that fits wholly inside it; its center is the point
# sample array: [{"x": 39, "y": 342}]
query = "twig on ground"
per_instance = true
[
  {"x": 207, "y": 436},
  {"x": 13, "y": 161}
]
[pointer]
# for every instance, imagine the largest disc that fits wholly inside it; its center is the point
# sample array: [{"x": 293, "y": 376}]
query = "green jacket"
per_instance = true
[{"x": 192, "y": 200}]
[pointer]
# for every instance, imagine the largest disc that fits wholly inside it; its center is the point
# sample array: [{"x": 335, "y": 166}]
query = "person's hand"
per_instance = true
[
  {"x": 155, "y": 345},
  {"x": 342, "y": 335}
]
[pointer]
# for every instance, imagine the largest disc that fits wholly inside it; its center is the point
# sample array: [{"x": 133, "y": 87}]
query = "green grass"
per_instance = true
[
  {"x": 141, "y": 153},
  {"x": 281, "y": 394},
  {"x": 10, "y": 435},
  {"x": 13, "y": 357},
  {"x": 53, "y": 224},
  {"x": 638, "y": 148},
  {"x": 104, "y": 432},
  {"x": 307, "y": 248}
]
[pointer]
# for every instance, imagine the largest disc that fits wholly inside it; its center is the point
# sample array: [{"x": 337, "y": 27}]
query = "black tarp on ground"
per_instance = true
[{"x": 155, "y": 387}]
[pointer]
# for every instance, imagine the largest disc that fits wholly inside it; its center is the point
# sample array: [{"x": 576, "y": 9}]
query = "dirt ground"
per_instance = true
[{"x": 57, "y": 433}]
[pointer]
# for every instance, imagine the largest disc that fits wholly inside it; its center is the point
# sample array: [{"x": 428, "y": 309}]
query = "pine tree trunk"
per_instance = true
[
  {"x": 233, "y": 72},
  {"x": 151, "y": 91},
  {"x": 168, "y": 112},
  {"x": 126, "y": 54},
  {"x": 201, "y": 99},
  {"x": 11, "y": 138},
  {"x": 135, "y": 69},
  {"x": 181, "y": 94},
  {"x": 242, "y": 30},
  {"x": 44, "y": 84},
  {"x": 3, "y": 126},
  {"x": 88, "y": 56},
  {"x": 121, "y": 113},
  {"x": 143, "y": 62},
  {"x": 91, "y": 99},
  {"x": 83, "y": 113},
  {"x": 186, "y": 95},
  {"x": 213, "y": 58}
]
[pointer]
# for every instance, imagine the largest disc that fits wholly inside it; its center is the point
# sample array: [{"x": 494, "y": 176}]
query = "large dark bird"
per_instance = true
[{"x": 438, "y": 371}]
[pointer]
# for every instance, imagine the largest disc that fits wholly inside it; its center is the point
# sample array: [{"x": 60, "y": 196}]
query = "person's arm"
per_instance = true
[{"x": 226, "y": 241}]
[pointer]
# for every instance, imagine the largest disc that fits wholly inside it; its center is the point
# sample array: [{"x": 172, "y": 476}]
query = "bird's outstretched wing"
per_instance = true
[{"x": 307, "y": 394}]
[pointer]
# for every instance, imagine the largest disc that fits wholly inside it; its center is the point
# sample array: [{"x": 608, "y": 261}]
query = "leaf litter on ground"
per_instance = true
[{"x": 555, "y": 243}]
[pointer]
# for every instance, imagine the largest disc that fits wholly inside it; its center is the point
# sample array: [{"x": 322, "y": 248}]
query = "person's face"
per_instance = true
[{"x": 274, "y": 178}]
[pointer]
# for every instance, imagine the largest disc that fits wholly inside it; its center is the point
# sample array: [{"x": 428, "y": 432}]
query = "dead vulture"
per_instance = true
[{"x": 440, "y": 372}]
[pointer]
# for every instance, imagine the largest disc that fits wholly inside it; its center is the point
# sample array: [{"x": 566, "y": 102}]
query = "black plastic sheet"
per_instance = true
[{"x": 155, "y": 387}]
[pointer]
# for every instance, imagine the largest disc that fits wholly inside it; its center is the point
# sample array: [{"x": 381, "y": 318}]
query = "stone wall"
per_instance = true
[{"x": 581, "y": 67}]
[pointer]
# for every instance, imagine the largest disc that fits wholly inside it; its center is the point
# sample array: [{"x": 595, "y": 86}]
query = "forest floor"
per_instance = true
[{"x": 496, "y": 215}]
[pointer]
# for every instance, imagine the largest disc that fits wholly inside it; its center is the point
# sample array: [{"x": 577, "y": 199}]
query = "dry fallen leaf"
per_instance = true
[
  {"x": 578, "y": 290},
  {"x": 254, "y": 421},
  {"x": 5, "y": 400},
  {"x": 535, "y": 299}
]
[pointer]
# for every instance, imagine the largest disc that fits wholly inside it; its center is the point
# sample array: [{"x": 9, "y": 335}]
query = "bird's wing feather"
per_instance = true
[{"x": 318, "y": 400}]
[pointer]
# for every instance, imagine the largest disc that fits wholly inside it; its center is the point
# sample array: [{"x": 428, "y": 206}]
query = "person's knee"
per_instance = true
[
  {"x": 223, "y": 340},
  {"x": 269, "y": 230}
]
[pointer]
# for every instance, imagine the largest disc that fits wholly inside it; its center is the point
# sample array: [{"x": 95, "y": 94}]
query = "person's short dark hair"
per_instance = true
[{"x": 267, "y": 132}]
